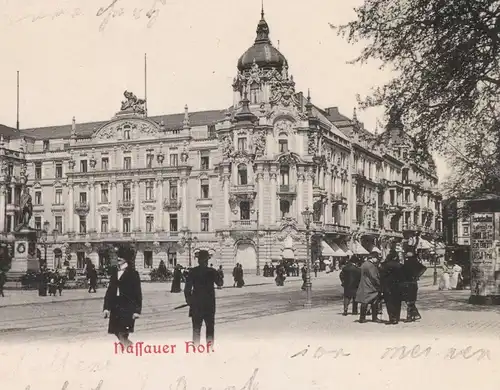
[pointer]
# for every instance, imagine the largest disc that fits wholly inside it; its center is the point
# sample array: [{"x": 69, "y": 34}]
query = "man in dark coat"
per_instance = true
[
  {"x": 413, "y": 269},
  {"x": 391, "y": 277},
  {"x": 369, "y": 288},
  {"x": 199, "y": 292},
  {"x": 123, "y": 301},
  {"x": 92, "y": 277},
  {"x": 350, "y": 276}
]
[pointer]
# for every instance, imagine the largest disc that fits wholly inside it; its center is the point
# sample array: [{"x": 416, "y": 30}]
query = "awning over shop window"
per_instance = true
[
  {"x": 424, "y": 244},
  {"x": 358, "y": 249},
  {"x": 338, "y": 251},
  {"x": 288, "y": 254},
  {"x": 372, "y": 248},
  {"x": 326, "y": 250},
  {"x": 346, "y": 250}
]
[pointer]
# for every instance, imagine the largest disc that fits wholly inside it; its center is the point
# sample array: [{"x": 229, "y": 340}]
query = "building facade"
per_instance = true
[
  {"x": 456, "y": 222},
  {"x": 233, "y": 182}
]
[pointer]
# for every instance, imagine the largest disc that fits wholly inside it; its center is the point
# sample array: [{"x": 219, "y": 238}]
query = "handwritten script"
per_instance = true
[
  {"x": 418, "y": 352},
  {"x": 320, "y": 352},
  {"x": 106, "y": 13}
]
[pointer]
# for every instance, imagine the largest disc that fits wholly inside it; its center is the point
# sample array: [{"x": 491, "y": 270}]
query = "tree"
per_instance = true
[{"x": 445, "y": 56}]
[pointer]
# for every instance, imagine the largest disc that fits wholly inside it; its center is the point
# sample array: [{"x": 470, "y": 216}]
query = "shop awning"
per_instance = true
[
  {"x": 326, "y": 250},
  {"x": 288, "y": 254},
  {"x": 346, "y": 250},
  {"x": 424, "y": 244},
  {"x": 358, "y": 249},
  {"x": 372, "y": 248},
  {"x": 338, "y": 252}
]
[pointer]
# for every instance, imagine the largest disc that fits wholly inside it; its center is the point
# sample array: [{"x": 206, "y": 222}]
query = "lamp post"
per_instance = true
[
  {"x": 257, "y": 243},
  {"x": 307, "y": 216},
  {"x": 44, "y": 238},
  {"x": 435, "y": 274},
  {"x": 188, "y": 240}
]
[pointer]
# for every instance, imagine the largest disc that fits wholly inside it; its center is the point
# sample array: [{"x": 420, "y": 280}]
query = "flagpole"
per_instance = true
[
  {"x": 145, "y": 84},
  {"x": 17, "y": 122}
]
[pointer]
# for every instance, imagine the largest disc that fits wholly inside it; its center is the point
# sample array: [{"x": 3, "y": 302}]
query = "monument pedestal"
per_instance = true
[{"x": 24, "y": 259}]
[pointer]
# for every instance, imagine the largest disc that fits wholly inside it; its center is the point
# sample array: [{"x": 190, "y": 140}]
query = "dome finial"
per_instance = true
[
  {"x": 262, "y": 10},
  {"x": 262, "y": 28}
]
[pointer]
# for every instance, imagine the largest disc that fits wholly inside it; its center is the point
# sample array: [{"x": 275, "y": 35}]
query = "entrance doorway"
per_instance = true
[{"x": 246, "y": 255}]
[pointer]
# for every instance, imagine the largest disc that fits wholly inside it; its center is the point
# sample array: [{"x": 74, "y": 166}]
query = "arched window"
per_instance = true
[
  {"x": 284, "y": 208},
  {"x": 283, "y": 142},
  {"x": 126, "y": 132},
  {"x": 254, "y": 93},
  {"x": 284, "y": 175},
  {"x": 242, "y": 174}
]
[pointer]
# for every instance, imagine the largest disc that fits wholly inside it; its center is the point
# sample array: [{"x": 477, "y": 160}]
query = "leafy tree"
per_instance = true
[{"x": 446, "y": 89}]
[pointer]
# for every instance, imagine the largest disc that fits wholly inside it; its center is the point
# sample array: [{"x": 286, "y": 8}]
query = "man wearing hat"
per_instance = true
[
  {"x": 350, "y": 276},
  {"x": 412, "y": 269},
  {"x": 369, "y": 288}
]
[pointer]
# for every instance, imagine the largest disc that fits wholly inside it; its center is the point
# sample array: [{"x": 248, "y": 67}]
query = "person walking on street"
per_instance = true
[
  {"x": 413, "y": 269},
  {"x": 220, "y": 271},
  {"x": 350, "y": 276},
  {"x": 391, "y": 276},
  {"x": 92, "y": 277},
  {"x": 199, "y": 292},
  {"x": 3, "y": 279},
  {"x": 123, "y": 300},
  {"x": 369, "y": 288}
]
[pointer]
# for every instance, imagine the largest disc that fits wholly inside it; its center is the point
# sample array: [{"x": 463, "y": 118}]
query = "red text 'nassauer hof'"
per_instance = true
[{"x": 140, "y": 348}]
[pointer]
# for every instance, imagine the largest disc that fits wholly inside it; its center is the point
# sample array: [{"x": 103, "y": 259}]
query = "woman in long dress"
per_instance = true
[
  {"x": 123, "y": 300},
  {"x": 456, "y": 273},
  {"x": 177, "y": 279},
  {"x": 444, "y": 281}
]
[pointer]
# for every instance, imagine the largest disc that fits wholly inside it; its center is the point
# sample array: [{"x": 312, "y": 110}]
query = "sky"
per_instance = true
[{"x": 76, "y": 58}]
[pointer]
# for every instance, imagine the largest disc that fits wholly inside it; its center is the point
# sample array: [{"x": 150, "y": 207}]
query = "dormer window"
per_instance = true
[
  {"x": 254, "y": 93},
  {"x": 126, "y": 132}
]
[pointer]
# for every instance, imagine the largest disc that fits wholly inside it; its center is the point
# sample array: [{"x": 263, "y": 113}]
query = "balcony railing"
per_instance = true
[
  {"x": 125, "y": 205},
  {"x": 333, "y": 228},
  {"x": 243, "y": 188},
  {"x": 287, "y": 189},
  {"x": 82, "y": 207},
  {"x": 171, "y": 204},
  {"x": 318, "y": 192},
  {"x": 244, "y": 224},
  {"x": 336, "y": 197}
]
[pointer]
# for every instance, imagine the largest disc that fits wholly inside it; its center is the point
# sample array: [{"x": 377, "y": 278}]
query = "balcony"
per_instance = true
[
  {"x": 333, "y": 228},
  {"x": 124, "y": 236},
  {"x": 243, "y": 189},
  {"x": 171, "y": 204},
  {"x": 394, "y": 208},
  {"x": 336, "y": 198},
  {"x": 244, "y": 224},
  {"x": 125, "y": 206},
  {"x": 287, "y": 189},
  {"x": 204, "y": 202},
  {"x": 82, "y": 207},
  {"x": 319, "y": 192},
  {"x": 395, "y": 183}
]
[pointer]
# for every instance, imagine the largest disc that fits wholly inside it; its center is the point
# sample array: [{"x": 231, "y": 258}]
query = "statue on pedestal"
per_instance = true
[{"x": 26, "y": 209}]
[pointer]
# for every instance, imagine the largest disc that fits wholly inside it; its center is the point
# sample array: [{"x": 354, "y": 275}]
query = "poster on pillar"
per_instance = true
[{"x": 484, "y": 250}]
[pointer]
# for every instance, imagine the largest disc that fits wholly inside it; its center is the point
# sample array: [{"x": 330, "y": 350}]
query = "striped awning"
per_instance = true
[
  {"x": 338, "y": 252},
  {"x": 326, "y": 250},
  {"x": 345, "y": 249},
  {"x": 358, "y": 249}
]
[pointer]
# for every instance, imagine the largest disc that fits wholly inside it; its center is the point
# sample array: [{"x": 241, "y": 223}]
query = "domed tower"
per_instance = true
[{"x": 256, "y": 67}]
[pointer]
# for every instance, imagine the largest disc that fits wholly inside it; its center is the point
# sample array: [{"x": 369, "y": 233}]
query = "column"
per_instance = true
[
  {"x": 159, "y": 204},
  {"x": 260, "y": 182},
  {"x": 142, "y": 218},
  {"x": 273, "y": 198},
  {"x": 310, "y": 190},
  {"x": 166, "y": 222},
  {"x": 92, "y": 210},
  {"x": 2, "y": 208},
  {"x": 184, "y": 183},
  {"x": 300, "y": 194},
  {"x": 328, "y": 187},
  {"x": 354, "y": 202},
  {"x": 227, "y": 207},
  {"x": 114, "y": 207},
  {"x": 137, "y": 206},
  {"x": 71, "y": 210}
]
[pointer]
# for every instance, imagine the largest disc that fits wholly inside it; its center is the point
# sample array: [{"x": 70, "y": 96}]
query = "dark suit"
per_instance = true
[
  {"x": 391, "y": 275},
  {"x": 200, "y": 296},
  {"x": 123, "y": 298},
  {"x": 350, "y": 275}
]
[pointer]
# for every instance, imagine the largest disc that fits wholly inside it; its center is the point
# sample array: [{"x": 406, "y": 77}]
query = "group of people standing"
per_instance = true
[
  {"x": 238, "y": 276},
  {"x": 50, "y": 281},
  {"x": 451, "y": 278},
  {"x": 370, "y": 282}
]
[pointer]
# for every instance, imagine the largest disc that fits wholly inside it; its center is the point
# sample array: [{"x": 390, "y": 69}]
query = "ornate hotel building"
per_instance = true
[{"x": 233, "y": 181}]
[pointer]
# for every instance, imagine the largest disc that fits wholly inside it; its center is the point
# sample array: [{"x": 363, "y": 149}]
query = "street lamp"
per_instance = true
[
  {"x": 188, "y": 240},
  {"x": 307, "y": 217},
  {"x": 257, "y": 243},
  {"x": 435, "y": 274}
]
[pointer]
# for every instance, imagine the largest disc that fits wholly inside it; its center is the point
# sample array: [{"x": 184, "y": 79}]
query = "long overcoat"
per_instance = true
[
  {"x": 123, "y": 299},
  {"x": 369, "y": 284},
  {"x": 350, "y": 276}
]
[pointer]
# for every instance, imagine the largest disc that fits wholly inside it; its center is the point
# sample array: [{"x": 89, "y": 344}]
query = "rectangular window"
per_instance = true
[
  {"x": 58, "y": 198},
  {"x": 172, "y": 258},
  {"x": 205, "y": 193},
  {"x": 205, "y": 222},
  {"x": 173, "y": 190},
  {"x": 38, "y": 223},
  {"x": 126, "y": 192},
  {"x": 38, "y": 197},
  {"x": 9, "y": 223},
  {"x": 10, "y": 168},
  {"x": 104, "y": 193},
  {"x": 150, "y": 224},
  {"x": 83, "y": 166},
  {"x": 205, "y": 160},
  {"x": 46, "y": 145},
  {"x": 80, "y": 260},
  {"x": 173, "y": 222},
  {"x": 150, "y": 190},
  {"x": 242, "y": 144},
  {"x": 104, "y": 223},
  {"x": 58, "y": 224},
  {"x": 174, "y": 160},
  {"x": 149, "y": 160},
  {"x": 211, "y": 132},
  {"x": 127, "y": 162},
  {"x": 59, "y": 170},
  {"x": 83, "y": 198},
  {"x": 283, "y": 143},
  {"x": 126, "y": 225},
  {"x": 105, "y": 163},
  {"x": 148, "y": 259},
  {"x": 83, "y": 224},
  {"x": 38, "y": 170},
  {"x": 466, "y": 230}
]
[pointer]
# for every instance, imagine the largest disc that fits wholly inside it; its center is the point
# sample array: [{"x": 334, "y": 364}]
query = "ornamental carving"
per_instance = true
[
  {"x": 185, "y": 153},
  {"x": 71, "y": 164},
  {"x": 283, "y": 126},
  {"x": 149, "y": 207},
  {"x": 103, "y": 209},
  {"x": 127, "y": 130},
  {"x": 259, "y": 143},
  {"x": 235, "y": 199},
  {"x": 133, "y": 104},
  {"x": 312, "y": 143},
  {"x": 227, "y": 146},
  {"x": 288, "y": 158}
]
